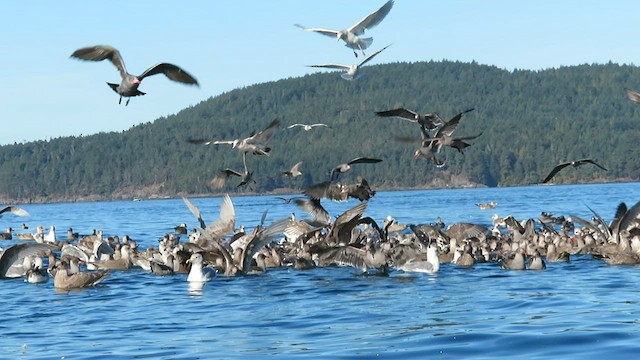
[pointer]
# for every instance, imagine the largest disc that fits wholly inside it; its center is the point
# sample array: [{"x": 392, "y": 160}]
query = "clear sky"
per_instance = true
[{"x": 230, "y": 44}]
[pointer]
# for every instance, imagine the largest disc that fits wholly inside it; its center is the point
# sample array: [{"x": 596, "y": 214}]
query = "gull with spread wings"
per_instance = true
[
  {"x": 430, "y": 121},
  {"x": 256, "y": 143},
  {"x": 352, "y": 70},
  {"x": 307, "y": 127},
  {"x": 246, "y": 176},
  {"x": 128, "y": 86},
  {"x": 343, "y": 168},
  {"x": 575, "y": 163},
  {"x": 351, "y": 36}
]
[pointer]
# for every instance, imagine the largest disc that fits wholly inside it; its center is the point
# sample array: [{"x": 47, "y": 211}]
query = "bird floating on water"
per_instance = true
[{"x": 128, "y": 86}]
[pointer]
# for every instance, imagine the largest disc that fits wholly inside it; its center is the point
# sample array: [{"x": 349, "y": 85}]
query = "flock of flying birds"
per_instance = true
[{"x": 320, "y": 239}]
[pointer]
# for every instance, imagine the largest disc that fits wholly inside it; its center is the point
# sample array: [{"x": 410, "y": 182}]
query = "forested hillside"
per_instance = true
[{"x": 530, "y": 121}]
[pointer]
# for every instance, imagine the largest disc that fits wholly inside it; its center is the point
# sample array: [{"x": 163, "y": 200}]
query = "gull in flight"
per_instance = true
[
  {"x": 430, "y": 121},
  {"x": 351, "y": 36},
  {"x": 255, "y": 143},
  {"x": 575, "y": 163},
  {"x": 294, "y": 171},
  {"x": 246, "y": 176},
  {"x": 343, "y": 168},
  {"x": 352, "y": 70},
  {"x": 128, "y": 87},
  {"x": 307, "y": 127}
]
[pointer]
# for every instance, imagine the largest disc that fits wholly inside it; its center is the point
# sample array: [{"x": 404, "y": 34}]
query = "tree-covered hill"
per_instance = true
[{"x": 530, "y": 121}]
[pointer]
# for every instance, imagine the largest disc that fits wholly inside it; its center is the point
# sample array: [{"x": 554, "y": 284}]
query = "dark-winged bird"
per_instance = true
[
  {"x": 430, "y": 121},
  {"x": 128, "y": 86},
  {"x": 343, "y": 168},
  {"x": 575, "y": 163}
]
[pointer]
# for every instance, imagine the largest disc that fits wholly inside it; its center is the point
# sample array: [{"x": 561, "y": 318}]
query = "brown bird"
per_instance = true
[
  {"x": 128, "y": 86},
  {"x": 246, "y": 176},
  {"x": 430, "y": 121},
  {"x": 63, "y": 281},
  {"x": 575, "y": 163}
]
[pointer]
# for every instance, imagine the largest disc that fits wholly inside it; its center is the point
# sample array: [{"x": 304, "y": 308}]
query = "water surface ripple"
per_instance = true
[{"x": 571, "y": 310}]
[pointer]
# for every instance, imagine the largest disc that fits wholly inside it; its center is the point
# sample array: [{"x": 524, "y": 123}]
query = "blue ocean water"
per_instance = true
[{"x": 573, "y": 310}]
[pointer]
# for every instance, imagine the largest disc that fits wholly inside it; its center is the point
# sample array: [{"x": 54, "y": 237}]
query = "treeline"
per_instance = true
[{"x": 530, "y": 121}]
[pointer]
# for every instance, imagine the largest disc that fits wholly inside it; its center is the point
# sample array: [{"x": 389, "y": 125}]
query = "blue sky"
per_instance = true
[{"x": 231, "y": 44}]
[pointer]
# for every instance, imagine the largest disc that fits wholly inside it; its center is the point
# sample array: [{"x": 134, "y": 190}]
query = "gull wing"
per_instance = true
[
  {"x": 364, "y": 160},
  {"x": 195, "y": 211},
  {"x": 326, "y": 32},
  {"x": 221, "y": 178},
  {"x": 450, "y": 126},
  {"x": 331, "y": 66},
  {"x": 102, "y": 52},
  {"x": 327, "y": 189},
  {"x": 226, "y": 223},
  {"x": 372, "y": 19},
  {"x": 584, "y": 161},
  {"x": 314, "y": 208},
  {"x": 372, "y": 55},
  {"x": 264, "y": 135},
  {"x": 402, "y": 113},
  {"x": 173, "y": 72},
  {"x": 14, "y": 210},
  {"x": 262, "y": 238},
  {"x": 555, "y": 170}
]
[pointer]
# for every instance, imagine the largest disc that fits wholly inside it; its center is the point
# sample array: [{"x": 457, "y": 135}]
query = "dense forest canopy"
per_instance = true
[{"x": 530, "y": 121}]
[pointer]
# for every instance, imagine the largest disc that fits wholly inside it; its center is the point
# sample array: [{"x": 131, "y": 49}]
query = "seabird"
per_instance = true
[
  {"x": 294, "y": 171},
  {"x": 343, "y": 168},
  {"x": 352, "y": 70},
  {"x": 430, "y": 121},
  {"x": 307, "y": 127},
  {"x": 246, "y": 176},
  {"x": 575, "y": 163},
  {"x": 128, "y": 87},
  {"x": 351, "y": 36},
  {"x": 256, "y": 143}
]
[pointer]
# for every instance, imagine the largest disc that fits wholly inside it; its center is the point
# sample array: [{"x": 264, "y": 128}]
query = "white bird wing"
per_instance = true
[
  {"x": 217, "y": 142},
  {"x": 294, "y": 125},
  {"x": 372, "y": 19},
  {"x": 332, "y": 66},
  {"x": 372, "y": 55},
  {"x": 319, "y": 124},
  {"x": 227, "y": 220},
  {"x": 326, "y": 32},
  {"x": 75, "y": 251}
]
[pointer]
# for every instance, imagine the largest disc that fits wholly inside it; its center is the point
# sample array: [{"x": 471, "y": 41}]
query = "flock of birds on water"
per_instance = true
[{"x": 352, "y": 239}]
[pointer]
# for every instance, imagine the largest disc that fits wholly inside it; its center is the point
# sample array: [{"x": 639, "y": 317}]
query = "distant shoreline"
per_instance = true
[{"x": 140, "y": 196}]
